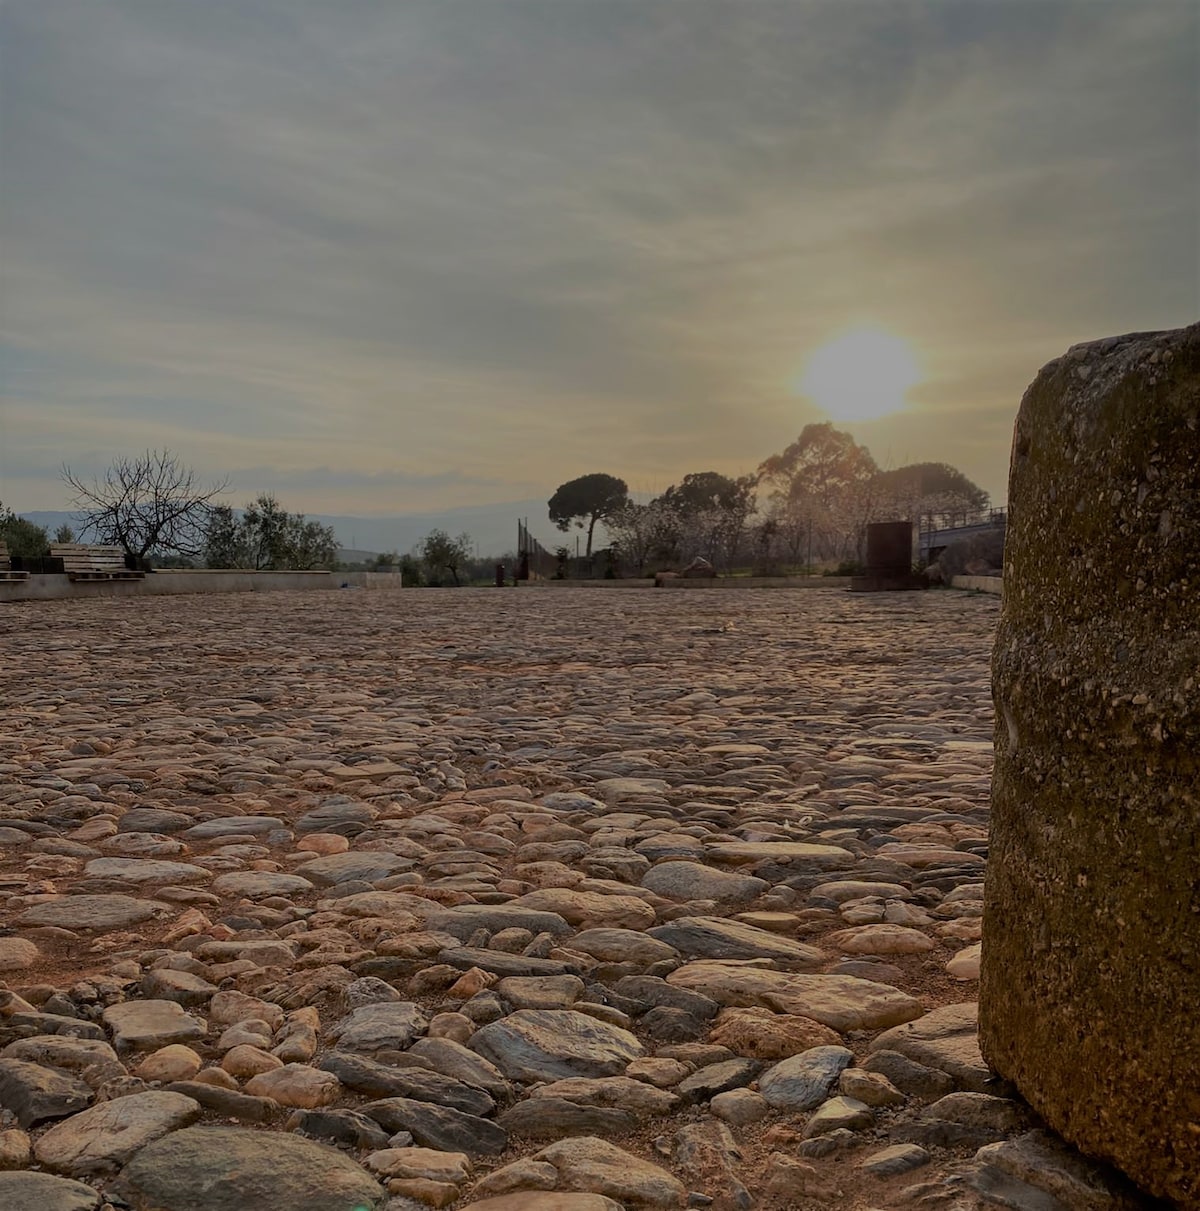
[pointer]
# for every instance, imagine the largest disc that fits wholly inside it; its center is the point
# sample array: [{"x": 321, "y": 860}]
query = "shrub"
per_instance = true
[
  {"x": 848, "y": 567},
  {"x": 979, "y": 555}
]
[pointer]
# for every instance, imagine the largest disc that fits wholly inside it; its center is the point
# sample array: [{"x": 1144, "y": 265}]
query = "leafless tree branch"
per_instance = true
[{"x": 150, "y": 502}]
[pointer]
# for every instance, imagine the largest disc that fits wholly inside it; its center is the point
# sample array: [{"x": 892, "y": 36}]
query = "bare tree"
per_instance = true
[
  {"x": 643, "y": 533},
  {"x": 793, "y": 522},
  {"x": 145, "y": 503}
]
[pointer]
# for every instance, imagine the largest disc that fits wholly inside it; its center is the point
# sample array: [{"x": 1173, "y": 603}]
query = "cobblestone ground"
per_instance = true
[{"x": 526, "y": 900}]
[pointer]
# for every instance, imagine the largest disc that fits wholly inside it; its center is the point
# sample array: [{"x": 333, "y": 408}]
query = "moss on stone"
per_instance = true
[{"x": 1091, "y": 958}]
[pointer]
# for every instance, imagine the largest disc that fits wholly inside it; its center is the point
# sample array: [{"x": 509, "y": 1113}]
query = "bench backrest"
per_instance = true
[
  {"x": 5, "y": 559},
  {"x": 78, "y": 557}
]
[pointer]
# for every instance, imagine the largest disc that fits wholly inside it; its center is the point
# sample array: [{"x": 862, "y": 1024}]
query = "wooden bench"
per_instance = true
[
  {"x": 6, "y": 568},
  {"x": 81, "y": 562}
]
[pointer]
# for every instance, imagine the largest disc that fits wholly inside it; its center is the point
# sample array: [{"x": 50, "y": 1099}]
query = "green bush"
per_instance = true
[{"x": 22, "y": 537}]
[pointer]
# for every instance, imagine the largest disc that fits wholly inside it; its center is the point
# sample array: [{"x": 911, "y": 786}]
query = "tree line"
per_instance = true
[
  {"x": 156, "y": 510},
  {"x": 807, "y": 505},
  {"x": 26, "y": 540}
]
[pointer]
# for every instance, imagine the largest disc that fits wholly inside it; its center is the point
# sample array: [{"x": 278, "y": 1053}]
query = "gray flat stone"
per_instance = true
[
  {"x": 622, "y": 946},
  {"x": 227, "y": 1102},
  {"x": 540, "y": 992},
  {"x": 35, "y": 1093},
  {"x": 666, "y": 847},
  {"x": 102, "y": 1139},
  {"x": 614, "y": 790},
  {"x": 255, "y": 884},
  {"x": 638, "y": 1097},
  {"x": 44, "y": 1024},
  {"x": 707, "y": 1082},
  {"x": 182, "y": 987},
  {"x": 453, "y": 1059},
  {"x": 367, "y": 866},
  {"x": 695, "y": 881},
  {"x": 385, "y": 1025},
  {"x": 717, "y": 938},
  {"x": 335, "y": 814},
  {"x": 917, "y": 1080},
  {"x": 265, "y": 952},
  {"x": 232, "y": 1169},
  {"x": 841, "y": 890},
  {"x": 418, "y": 1083},
  {"x": 842, "y": 1002},
  {"x": 947, "y": 1039},
  {"x": 802, "y": 1082},
  {"x": 92, "y": 914},
  {"x": 898, "y": 1158},
  {"x": 505, "y": 964},
  {"x": 150, "y": 1024},
  {"x": 464, "y": 919},
  {"x": 545, "y": 1200},
  {"x": 61, "y": 1051},
  {"x": 553, "y": 1118},
  {"x": 440, "y": 1127},
  {"x": 549, "y": 1044},
  {"x": 736, "y": 853},
  {"x": 1049, "y": 1164},
  {"x": 573, "y": 801},
  {"x": 340, "y": 1127},
  {"x": 652, "y": 992},
  {"x": 152, "y": 820},
  {"x": 17, "y": 954},
  {"x": 839, "y": 1114},
  {"x": 145, "y": 870},
  {"x": 596, "y": 1166},
  {"x": 44, "y": 1192},
  {"x": 1000, "y": 1189},
  {"x": 980, "y": 1110},
  {"x": 232, "y": 826}
]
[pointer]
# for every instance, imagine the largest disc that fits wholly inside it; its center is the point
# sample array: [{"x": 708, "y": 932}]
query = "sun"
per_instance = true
[{"x": 863, "y": 374}]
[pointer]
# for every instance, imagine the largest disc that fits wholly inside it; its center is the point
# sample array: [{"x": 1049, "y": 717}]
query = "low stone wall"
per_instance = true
[
  {"x": 758, "y": 582},
  {"x": 715, "y": 582},
  {"x": 57, "y": 587},
  {"x": 387, "y": 581},
  {"x": 155, "y": 584},
  {"x": 643, "y": 582},
  {"x": 980, "y": 584}
]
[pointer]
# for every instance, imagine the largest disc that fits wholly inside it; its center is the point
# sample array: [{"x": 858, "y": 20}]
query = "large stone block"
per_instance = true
[{"x": 1090, "y": 989}]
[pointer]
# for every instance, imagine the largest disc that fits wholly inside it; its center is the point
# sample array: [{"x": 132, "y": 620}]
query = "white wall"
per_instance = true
[
  {"x": 981, "y": 584},
  {"x": 57, "y": 587}
]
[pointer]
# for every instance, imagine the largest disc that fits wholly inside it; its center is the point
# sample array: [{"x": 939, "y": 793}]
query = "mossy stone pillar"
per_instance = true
[{"x": 1090, "y": 986}]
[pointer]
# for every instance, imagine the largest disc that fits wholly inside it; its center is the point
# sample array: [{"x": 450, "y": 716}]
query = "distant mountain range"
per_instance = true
[{"x": 493, "y": 528}]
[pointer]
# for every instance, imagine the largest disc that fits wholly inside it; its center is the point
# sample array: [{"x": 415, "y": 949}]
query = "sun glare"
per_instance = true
[{"x": 861, "y": 375}]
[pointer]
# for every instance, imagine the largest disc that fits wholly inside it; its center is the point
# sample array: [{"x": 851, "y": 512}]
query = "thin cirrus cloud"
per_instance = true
[{"x": 397, "y": 257}]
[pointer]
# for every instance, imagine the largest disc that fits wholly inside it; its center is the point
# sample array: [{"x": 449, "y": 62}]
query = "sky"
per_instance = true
[{"x": 386, "y": 256}]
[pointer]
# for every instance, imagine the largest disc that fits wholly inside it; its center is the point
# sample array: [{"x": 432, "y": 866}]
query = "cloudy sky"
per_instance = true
[{"x": 392, "y": 255}]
